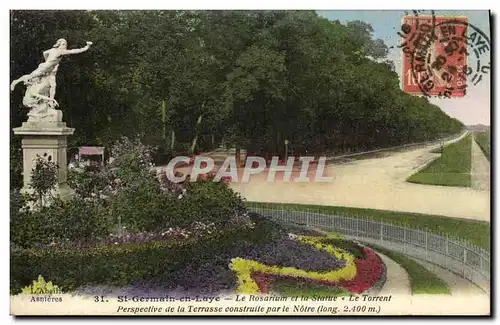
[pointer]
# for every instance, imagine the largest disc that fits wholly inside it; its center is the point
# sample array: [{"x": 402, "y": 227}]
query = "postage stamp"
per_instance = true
[
  {"x": 249, "y": 163},
  {"x": 442, "y": 55}
]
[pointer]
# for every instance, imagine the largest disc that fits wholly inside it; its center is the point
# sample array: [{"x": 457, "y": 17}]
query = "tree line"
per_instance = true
[{"x": 188, "y": 81}]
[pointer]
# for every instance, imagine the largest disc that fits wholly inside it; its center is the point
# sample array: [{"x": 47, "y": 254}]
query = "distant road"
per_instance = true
[{"x": 377, "y": 183}]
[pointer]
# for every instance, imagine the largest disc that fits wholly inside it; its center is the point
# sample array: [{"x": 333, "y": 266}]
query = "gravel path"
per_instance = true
[
  {"x": 397, "y": 282},
  {"x": 480, "y": 168},
  {"x": 378, "y": 183}
]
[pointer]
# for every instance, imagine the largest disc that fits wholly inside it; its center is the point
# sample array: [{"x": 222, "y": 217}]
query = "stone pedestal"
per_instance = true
[{"x": 48, "y": 137}]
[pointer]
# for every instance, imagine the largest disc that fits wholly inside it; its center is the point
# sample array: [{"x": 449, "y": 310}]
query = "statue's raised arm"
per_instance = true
[
  {"x": 52, "y": 59},
  {"x": 77, "y": 51}
]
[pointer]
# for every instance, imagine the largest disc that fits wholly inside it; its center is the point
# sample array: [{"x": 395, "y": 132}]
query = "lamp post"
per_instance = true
[{"x": 286, "y": 149}]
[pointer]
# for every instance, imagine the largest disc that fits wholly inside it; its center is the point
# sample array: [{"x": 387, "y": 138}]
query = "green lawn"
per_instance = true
[
  {"x": 483, "y": 140},
  {"x": 451, "y": 169},
  {"x": 422, "y": 281},
  {"x": 475, "y": 232}
]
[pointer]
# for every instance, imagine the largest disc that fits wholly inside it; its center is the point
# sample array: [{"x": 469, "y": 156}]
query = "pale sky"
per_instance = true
[{"x": 474, "y": 108}]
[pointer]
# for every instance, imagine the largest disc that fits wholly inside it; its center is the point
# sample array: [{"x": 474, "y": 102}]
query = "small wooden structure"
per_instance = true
[{"x": 91, "y": 151}]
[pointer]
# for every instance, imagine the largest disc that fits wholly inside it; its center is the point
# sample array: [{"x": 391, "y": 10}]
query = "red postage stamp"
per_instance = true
[{"x": 434, "y": 55}]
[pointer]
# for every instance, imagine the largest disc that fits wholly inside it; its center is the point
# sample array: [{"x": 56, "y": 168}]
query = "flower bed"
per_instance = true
[
  {"x": 368, "y": 271},
  {"x": 291, "y": 253},
  {"x": 357, "y": 276},
  {"x": 118, "y": 264}
]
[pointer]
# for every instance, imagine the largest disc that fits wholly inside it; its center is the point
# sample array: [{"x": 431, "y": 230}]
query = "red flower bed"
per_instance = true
[
  {"x": 263, "y": 281},
  {"x": 368, "y": 271}
]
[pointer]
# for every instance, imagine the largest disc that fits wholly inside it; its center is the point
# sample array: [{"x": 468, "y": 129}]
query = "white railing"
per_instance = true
[
  {"x": 403, "y": 146},
  {"x": 460, "y": 257}
]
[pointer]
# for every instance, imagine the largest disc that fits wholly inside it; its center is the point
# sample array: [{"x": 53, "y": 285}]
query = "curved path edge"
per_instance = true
[{"x": 397, "y": 282}]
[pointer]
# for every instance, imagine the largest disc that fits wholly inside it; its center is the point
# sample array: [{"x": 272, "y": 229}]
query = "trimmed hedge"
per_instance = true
[{"x": 116, "y": 265}]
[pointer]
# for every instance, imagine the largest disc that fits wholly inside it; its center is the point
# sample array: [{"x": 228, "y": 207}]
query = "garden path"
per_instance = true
[
  {"x": 397, "y": 282},
  {"x": 480, "y": 168},
  {"x": 465, "y": 298},
  {"x": 377, "y": 183}
]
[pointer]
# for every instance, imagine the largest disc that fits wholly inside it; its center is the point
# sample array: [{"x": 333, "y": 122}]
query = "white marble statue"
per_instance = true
[{"x": 41, "y": 83}]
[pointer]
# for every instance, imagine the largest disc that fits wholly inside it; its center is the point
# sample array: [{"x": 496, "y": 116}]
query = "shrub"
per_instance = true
[
  {"x": 43, "y": 177},
  {"x": 208, "y": 201},
  {"x": 144, "y": 207},
  {"x": 62, "y": 221},
  {"x": 26, "y": 228},
  {"x": 132, "y": 160},
  {"x": 18, "y": 201},
  {"x": 87, "y": 181}
]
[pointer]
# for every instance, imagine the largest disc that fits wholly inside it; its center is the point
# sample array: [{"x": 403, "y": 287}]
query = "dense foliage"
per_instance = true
[
  {"x": 189, "y": 79},
  {"x": 44, "y": 176},
  {"x": 138, "y": 207}
]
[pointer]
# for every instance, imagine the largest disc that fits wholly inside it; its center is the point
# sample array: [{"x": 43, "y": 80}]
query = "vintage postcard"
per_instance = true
[{"x": 250, "y": 162}]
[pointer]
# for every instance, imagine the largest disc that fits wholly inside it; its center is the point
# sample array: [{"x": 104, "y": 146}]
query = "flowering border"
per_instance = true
[{"x": 359, "y": 274}]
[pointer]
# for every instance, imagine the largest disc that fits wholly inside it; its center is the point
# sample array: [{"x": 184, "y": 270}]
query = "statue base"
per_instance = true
[{"x": 45, "y": 137}]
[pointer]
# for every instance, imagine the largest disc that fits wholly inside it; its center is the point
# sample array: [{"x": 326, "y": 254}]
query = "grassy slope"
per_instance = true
[
  {"x": 451, "y": 169},
  {"x": 483, "y": 140},
  {"x": 422, "y": 281},
  {"x": 475, "y": 232}
]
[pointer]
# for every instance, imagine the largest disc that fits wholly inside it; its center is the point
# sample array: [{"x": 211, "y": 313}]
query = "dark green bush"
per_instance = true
[
  {"x": 208, "y": 201},
  {"x": 144, "y": 207},
  {"x": 87, "y": 181},
  {"x": 44, "y": 177},
  {"x": 26, "y": 228},
  {"x": 62, "y": 221}
]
